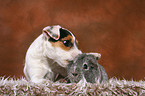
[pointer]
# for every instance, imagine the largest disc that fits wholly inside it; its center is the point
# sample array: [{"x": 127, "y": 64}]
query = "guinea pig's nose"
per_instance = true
[{"x": 74, "y": 74}]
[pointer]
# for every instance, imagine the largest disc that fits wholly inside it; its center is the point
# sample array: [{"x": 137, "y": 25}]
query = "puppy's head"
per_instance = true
[{"x": 60, "y": 44}]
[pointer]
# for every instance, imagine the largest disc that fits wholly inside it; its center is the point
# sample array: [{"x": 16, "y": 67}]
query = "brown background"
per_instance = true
[{"x": 115, "y": 28}]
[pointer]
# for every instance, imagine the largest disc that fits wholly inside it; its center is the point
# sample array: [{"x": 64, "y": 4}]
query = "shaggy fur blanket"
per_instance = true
[{"x": 21, "y": 87}]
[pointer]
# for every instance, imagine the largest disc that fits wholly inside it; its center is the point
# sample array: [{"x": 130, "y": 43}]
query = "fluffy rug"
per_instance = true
[{"x": 21, "y": 87}]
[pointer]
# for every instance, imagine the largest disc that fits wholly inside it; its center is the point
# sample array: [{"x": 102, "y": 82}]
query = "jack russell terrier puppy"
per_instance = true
[{"x": 50, "y": 54}]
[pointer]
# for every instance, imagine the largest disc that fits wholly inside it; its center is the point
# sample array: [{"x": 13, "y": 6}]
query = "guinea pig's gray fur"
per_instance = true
[{"x": 85, "y": 66}]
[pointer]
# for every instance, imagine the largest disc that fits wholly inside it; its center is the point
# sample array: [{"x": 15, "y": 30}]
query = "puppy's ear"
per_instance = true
[
  {"x": 97, "y": 55},
  {"x": 52, "y": 31}
]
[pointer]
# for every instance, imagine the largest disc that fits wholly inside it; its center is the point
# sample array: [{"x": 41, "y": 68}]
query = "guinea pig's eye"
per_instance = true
[
  {"x": 67, "y": 43},
  {"x": 85, "y": 66}
]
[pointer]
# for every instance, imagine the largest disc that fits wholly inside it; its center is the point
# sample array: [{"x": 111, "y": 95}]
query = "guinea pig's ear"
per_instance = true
[
  {"x": 52, "y": 31},
  {"x": 97, "y": 55}
]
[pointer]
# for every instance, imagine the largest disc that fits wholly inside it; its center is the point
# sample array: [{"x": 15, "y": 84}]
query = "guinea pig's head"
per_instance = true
[
  {"x": 60, "y": 44},
  {"x": 90, "y": 69},
  {"x": 84, "y": 66}
]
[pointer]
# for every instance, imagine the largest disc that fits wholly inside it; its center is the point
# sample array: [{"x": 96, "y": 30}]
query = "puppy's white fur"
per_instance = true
[{"x": 44, "y": 60}]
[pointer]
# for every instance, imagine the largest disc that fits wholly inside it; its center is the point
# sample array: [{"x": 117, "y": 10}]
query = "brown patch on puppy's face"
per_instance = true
[
  {"x": 66, "y": 40},
  {"x": 65, "y": 43}
]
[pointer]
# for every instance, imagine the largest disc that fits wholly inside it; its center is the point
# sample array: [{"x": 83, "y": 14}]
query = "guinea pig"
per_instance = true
[{"x": 85, "y": 67}]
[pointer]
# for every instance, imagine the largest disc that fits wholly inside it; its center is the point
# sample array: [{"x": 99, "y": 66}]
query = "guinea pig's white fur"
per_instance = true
[{"x": 41, "y": 58}]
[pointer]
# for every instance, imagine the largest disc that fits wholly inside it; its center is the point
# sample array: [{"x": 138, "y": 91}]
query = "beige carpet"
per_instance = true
[{"x": 20, "y": 87}]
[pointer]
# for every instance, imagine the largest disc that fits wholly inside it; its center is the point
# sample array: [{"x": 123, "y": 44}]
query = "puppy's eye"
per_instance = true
[
  {"x": 85, "y": 66},
  {"x": 67, "y": 43}
]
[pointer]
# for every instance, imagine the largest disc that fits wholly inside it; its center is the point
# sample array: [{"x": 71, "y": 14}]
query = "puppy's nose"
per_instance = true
[{"x": 74, "y": 74}]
